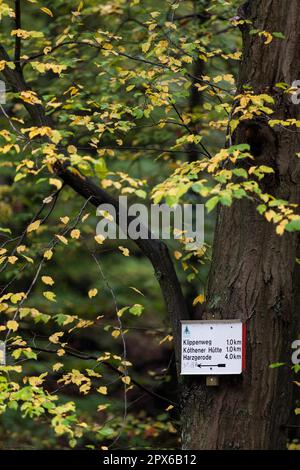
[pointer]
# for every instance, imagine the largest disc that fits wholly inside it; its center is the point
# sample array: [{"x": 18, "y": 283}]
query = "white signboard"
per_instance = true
[{"x": 213, "y": 347}]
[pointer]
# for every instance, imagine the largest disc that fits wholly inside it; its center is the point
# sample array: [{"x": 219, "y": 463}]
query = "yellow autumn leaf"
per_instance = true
[
  {"x": 169, "y": 408},
  {"x": 100, "y": 239},
  {"x": 47, "y": 11},
  {"x": 57, "y": 366},
  {"x": 85, "y": 388},
  {"x": 137, "y": 291},
  {"x": 268, "y": 36},
  {"x": 2, "y": 65},
  {"x": 12, "y": 259},
  {"x": 65, "y": 219},
  {"x": 126, "y": 379},
  {"x": 36, "y": 381},
  {"x": 218, "y": 78},
  {"x": 102, "y": 390},
  {"x": 55, "y": 337},
  {"x": 48, "y": 254},
  {"x": 30, "y": 260},
  {"x": 281, "y": 226},
  {"x": 72, "y": 149},
  {"x": 62, "y": 239},
  {"x": 124, "y": 251},
  {"x": 92, "y": 293},
  {"x": 12, "y": 325},
  {"x": 85, "y": 217},
  {"x": 34, "y": 226},
  {"x": 121, "y": 311},
  {"x": 92, "y": 373},
  {"x": 229, "y": 78},
  {"x": 102, "y": 407},
  {"x": 244, "y": 101},
  {"x": 75, "y": 234},
  {"x": 199, "y": 299},
  {"x": 116, "y": 333},
  {"x": 130, "y": 87},
  {"x": 125, "y": 363},
  {"x": 166, "y": 338},
  {"x": 49, "y": 296},
  {"x": 30, "y": 96},
  {"x": 48, "y": 280},
  {"x": 55, "y": 182},
  {"x": 15, "y": 298}
]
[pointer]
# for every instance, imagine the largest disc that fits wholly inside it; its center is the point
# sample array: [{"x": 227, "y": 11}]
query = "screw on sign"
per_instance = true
[{"x": 213, "y": 347}]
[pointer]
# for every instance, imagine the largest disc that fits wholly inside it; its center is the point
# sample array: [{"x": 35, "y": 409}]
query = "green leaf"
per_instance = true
[
  {"x": 278, "y": 202},
  {"x": 261, "y": 208},
  {"x": 282, "y": 85},
  {"x": 101, "y": 168},
  {"x": 19, "y": 176},
  {"x": 276, "y": 364},
  {"x": 106, "y": 432},
  {"x": 211, "y": 203},
  {"x": 241, "y": 147},
  {"x": 266, "y": 169},
  {"x": 49, "y": 296},
  {"x": 13, "y": 405},
  {"x": 296, "y": 368},
  {"x": 30, "y": 354},
  {"x": 140, "y": 193},
  {"x": 278, "y": 35},
  {"x": 5, "y": 230},
  {"x": 226, "y": 199},
  {"x": 240, "y": 172},
  {"x": 293, "y": 226},
  {"x": 136, "y": 310}
]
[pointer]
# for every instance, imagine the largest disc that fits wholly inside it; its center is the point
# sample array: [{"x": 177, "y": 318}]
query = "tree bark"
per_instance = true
[{"x": 253, "y": 270}]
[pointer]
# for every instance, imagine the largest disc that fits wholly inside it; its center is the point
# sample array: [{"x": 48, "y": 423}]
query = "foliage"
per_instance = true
[{"x": 126, "y": 105}]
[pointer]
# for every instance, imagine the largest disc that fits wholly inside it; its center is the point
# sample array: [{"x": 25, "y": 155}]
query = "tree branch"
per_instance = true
[
  {"x": 120, "y": 54},
  {"x": 89, "y": 357},
  {"x": 155, "y": 250}
]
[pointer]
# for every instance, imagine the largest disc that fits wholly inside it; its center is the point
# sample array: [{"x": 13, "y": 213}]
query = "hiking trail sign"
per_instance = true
[{"x": 213, "y": 347}]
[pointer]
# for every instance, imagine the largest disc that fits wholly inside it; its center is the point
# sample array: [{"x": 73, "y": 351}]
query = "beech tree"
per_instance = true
[
  {"x": 254, "y": 275},
  {"x": 124, "y": 98}
]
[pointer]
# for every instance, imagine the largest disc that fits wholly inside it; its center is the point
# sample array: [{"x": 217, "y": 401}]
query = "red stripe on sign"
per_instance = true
[{"x": 244, "y": 341}]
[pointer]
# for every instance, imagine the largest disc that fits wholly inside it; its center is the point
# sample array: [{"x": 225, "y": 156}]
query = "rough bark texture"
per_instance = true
[{"x": 253, "y": 270}]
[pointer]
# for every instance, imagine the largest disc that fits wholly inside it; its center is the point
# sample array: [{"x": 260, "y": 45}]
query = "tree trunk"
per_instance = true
[{"x": 253, "y": 269}]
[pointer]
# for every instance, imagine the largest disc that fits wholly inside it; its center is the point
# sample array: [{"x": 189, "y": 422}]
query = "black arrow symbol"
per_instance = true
[{"x": 211, "y": 365}]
